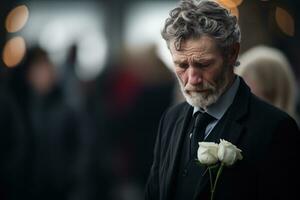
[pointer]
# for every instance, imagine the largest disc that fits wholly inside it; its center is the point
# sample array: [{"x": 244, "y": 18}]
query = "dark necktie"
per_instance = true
[{"x": 198, "y": 134}]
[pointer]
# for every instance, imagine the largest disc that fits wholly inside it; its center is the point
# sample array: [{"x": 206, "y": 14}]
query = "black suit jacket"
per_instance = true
[{"x": 269, "y": 141}]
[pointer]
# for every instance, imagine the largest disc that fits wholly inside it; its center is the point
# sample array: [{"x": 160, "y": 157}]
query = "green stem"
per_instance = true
[
  {"x": 217, "y": 178},
  {"x": 210, "y": 178}
]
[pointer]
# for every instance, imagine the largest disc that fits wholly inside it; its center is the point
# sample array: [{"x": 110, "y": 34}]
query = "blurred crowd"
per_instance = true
[{"x": 64, "y": 138}]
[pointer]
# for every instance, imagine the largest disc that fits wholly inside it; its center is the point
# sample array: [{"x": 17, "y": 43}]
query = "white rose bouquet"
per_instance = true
[{"x": 217, "y": 155}]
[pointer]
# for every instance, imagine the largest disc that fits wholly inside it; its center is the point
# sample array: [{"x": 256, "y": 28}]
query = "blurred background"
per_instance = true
[{"x": 83, "y": 85}]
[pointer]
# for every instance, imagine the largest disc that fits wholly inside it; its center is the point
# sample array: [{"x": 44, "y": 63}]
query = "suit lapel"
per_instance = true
[
  {"x": 175, "y": 150},
  {"x": 232, "y": 128}
]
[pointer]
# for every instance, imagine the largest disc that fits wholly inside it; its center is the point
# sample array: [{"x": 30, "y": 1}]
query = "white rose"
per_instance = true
[
  {"x": 208, "y": 153},
  {"x": 228, "y": 153}
]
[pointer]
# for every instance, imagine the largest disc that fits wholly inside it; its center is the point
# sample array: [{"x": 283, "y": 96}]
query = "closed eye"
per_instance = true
[
  {"x": 182, "y": 65},
  {"x": 202, "y": 64}
]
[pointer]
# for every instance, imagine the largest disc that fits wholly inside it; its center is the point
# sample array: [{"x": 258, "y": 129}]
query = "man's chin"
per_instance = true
[
  {"x": 199, "y": 101},
  {"x": 198, "y": 96}
]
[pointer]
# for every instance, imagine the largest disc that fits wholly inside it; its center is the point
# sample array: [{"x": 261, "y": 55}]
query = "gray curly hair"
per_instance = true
[{"x": 192, "y": 19}]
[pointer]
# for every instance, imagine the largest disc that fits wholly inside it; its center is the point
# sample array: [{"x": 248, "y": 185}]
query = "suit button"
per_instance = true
[{"x": 185, "y": 171}]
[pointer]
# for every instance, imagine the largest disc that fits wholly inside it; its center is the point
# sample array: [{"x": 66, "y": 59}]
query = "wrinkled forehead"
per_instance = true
[{"x": 203, "y": 45}]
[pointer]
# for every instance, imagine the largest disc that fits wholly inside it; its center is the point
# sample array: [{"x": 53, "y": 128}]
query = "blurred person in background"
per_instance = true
[
  {"x": 267, "y": 72},
  {"x": 134, "y": 93},
  {"x": 13, "y": 148},
  {"x": 71, "y": 85},
  {"x": 54, "y": 128},
  {"x": 204, "y": 41}
]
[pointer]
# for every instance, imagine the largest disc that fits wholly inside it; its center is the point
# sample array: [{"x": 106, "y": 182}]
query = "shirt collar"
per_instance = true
[{"x": 218, "y": 109}]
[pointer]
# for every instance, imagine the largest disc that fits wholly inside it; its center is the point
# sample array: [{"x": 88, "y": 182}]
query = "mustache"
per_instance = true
[{"x": 203, "y": 86}]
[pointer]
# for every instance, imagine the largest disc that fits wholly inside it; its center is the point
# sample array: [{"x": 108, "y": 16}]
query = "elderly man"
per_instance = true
[{"x": 204, "y": 40}]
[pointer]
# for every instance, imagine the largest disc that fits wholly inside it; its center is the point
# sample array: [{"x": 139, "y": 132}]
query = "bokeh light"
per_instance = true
[
  {"x": 55, "y": 31},
  {"x": 285, "y": 21},
  {"x": 237, "y": 2},
  {"x": 77, "y": 24},
  {"x": 235, "y": 11},
  {"x": 17, "y": 19},
  {"x": 14, "y": 51},
  {"x": 143, "y": 26},
  {"x": 92, "y": 50},
  {"x": 231, "y": 5}
]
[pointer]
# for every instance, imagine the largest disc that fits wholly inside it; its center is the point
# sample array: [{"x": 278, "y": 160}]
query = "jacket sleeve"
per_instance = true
[
  {"x": 152, "y": 190},
  {"x": 279, "y": 172}
]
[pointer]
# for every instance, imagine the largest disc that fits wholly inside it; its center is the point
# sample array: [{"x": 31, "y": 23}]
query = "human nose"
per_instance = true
[{"x": 195, "y": 76}]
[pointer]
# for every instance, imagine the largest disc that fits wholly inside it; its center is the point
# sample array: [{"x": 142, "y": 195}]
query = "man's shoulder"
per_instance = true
[
  {"x": 177, "y": 109},
  {"x": 175, "y": 114}
]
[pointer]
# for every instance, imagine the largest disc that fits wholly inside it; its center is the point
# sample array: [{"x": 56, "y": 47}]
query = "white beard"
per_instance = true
[{"x": 203, "y": 100}]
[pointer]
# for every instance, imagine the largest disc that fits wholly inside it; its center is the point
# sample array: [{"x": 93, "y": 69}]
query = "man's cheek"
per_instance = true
[{"x": 183, "y": 79}]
